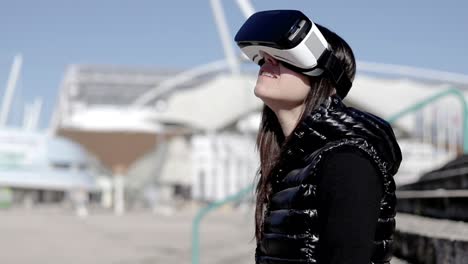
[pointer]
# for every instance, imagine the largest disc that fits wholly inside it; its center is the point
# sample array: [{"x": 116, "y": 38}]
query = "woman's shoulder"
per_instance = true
[
  {"x": 350, "y": 167},
  {"x": 334, "y": 152},
  {"x": 348, "y": 154},
  {"x": 347, "y": 159}
]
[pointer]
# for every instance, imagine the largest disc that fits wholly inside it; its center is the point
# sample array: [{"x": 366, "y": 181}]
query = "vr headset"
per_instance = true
[{"x": 292, "y": 38}]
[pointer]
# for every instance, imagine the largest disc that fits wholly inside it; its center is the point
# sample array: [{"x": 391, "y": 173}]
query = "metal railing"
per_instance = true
[
  {"x": 431, "y": 99},
  {"x": 202, "y": 212}
]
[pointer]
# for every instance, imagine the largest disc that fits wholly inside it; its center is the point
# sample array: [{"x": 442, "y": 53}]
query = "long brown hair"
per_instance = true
[{"x": 270, "y": 138}]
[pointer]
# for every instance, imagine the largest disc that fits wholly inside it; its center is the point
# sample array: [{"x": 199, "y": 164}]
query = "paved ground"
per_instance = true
[{"x": 55, "y": 235}]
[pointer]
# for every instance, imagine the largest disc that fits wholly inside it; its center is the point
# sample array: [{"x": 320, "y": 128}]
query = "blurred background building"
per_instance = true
[{"x": 183, "y": 139}]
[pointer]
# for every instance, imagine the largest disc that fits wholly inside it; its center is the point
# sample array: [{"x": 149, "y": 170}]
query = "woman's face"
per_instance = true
[{"x": 280, "y": 87}]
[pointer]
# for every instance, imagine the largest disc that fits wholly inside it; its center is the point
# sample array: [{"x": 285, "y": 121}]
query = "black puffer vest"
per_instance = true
[{"x": 289, "y": 230}]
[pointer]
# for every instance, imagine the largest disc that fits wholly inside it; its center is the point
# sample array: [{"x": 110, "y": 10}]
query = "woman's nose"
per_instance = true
[{"x": 268, "y": 58}]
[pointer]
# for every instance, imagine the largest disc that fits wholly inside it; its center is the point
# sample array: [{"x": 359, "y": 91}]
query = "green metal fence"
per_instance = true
[
  {"x": 202, "y": 212},
  {"x": 446, "y": 93}
]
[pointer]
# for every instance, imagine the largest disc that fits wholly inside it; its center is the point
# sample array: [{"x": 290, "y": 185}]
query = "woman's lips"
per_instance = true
[{"x": 269, "y": 70}]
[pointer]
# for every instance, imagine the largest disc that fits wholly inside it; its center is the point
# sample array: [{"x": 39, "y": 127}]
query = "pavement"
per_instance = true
[{"x": 57, "y": 235}]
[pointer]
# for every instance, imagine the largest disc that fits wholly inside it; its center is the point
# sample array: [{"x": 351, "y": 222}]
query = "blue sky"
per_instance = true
[{"x": 182, "y": 34}]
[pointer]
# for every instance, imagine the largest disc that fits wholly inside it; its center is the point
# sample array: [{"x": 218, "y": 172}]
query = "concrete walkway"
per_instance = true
[{"x": 50, "y": 236}]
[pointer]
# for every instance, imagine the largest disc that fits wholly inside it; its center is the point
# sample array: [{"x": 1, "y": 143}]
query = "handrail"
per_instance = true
[
  {"x": 451, "y": 91},
  {"x": 202, "y": 212},
  {"x": 212, "y": 206}
]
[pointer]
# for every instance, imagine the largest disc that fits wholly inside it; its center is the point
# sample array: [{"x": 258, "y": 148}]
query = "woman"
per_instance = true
[{"x": 325, "y": 192}]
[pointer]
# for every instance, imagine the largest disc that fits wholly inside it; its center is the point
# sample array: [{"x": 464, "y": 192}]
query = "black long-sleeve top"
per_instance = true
[{"x": 349, "y": 193}]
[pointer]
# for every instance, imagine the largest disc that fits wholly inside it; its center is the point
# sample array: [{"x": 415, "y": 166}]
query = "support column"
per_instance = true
[{"x": 119, "y": 189}]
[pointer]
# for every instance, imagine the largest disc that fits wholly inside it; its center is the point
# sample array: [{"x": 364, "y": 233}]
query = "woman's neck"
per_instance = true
[{"x": 288, "y": 118}]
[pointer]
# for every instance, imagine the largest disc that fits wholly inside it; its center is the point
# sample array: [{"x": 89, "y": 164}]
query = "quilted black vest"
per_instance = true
[{"x": 289, "y": 228}]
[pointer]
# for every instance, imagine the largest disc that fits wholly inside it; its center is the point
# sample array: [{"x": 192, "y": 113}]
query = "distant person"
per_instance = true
[{"x": 326, "y": 192}]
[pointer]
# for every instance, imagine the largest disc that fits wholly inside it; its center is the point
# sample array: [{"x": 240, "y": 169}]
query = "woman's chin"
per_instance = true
[
  {"x": 262, "y": 92},
  {"x": 265, "y": 96}
]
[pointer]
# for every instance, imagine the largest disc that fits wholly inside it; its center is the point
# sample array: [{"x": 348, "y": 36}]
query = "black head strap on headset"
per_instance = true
[{"x": 334, "y": 69}]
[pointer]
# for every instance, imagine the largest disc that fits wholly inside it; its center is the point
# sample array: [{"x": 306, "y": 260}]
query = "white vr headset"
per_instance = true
[{"x": 292, "y": 38}]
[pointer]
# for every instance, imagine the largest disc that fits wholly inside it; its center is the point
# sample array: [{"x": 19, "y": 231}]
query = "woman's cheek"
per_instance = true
[{"x": 293, "y": 88}]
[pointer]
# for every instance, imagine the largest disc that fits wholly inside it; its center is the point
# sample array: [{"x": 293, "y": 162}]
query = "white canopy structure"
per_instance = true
[
  {"x": 226, "y": 98},
  {"x": 212, "y": 105}
]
